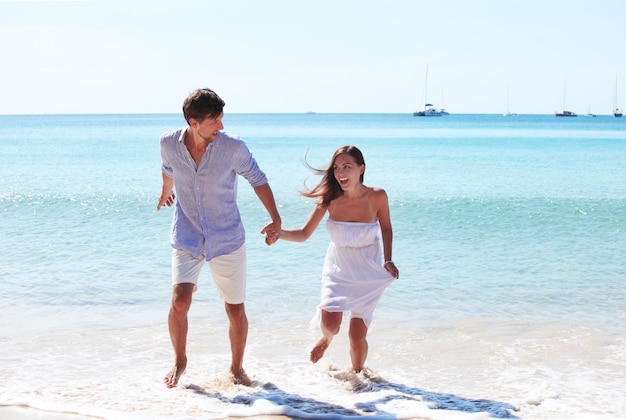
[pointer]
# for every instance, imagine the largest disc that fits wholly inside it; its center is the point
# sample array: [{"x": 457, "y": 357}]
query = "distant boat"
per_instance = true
[
  {"x": 589, "y": 113},
  {"x": 508, "y": 113},
  {"x": 429, "y": 110},
  {"x": 565, "y": 113},
  {"x": 616, "y": 111},
  {"x": 442, "y": 110}
]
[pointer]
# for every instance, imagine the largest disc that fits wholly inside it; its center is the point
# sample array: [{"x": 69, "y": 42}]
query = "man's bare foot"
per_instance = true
[
  {"x": 318, "y": 350},
  {"x": 171, "y": 379},
  {"x": 241, "y": 378}
]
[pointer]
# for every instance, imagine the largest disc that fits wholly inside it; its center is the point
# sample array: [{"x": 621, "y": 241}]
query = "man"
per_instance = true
[{"x": 202, "y": 162}]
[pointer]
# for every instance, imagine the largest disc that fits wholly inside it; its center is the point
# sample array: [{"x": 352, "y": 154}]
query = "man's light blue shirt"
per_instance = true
[{"x": 206, "y": 217}]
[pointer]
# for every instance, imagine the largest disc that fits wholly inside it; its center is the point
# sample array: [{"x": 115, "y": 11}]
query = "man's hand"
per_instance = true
[
  {"x": 272, "y": 233},
  {"x": 166, "y": 201}
]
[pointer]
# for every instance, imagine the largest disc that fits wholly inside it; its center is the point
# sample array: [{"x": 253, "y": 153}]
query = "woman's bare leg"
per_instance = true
[
  {"x": 331, "y": 321},
  {"x": 358, "y": 343}
]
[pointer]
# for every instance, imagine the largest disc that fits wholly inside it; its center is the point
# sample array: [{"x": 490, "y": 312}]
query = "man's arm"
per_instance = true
[
  {"x": 271, "y": 230},
  {"x": 167, "y": 192}
]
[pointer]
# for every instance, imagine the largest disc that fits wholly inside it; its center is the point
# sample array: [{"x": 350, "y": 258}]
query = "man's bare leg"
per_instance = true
[
  {"x": 178, "y": 326},
  {"x": 358, "y": 344},
  {"x": 331, "y": 321},
  {"x": 238, "y": 335}
]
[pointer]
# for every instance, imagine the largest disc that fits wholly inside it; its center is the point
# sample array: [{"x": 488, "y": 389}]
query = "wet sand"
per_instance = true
[{"x": 14, "y": 412}]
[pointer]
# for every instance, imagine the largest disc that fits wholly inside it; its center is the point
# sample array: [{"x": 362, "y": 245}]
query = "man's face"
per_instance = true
[{"x": 209, "y": 127}]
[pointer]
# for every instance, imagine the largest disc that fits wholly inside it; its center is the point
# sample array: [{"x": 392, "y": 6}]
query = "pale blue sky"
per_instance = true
[{"x": 121, "y": 56}]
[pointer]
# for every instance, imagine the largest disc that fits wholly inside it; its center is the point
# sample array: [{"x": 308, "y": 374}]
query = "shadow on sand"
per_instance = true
[
  {"x": 437, "y": 401},
  {"x": 304, "y": 407},
  {"x": 298, "y": 406}
]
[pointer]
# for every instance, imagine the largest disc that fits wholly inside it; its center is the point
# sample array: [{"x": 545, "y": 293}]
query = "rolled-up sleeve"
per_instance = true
[
  {"x": 166, "y": 166},
  {"x": 249, "y": 168}
]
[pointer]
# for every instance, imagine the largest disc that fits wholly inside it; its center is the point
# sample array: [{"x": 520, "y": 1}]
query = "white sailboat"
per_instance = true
[
  {"x": 616, "y": 112},
  {"x": 429, "y": 110},
  {"x": 589, "y": 113},
  {"x": 508, "y": 113},
  {"x": 443, "y": 110}
]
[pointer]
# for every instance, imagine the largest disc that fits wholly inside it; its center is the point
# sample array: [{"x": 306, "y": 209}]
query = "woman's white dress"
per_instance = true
[{"x": 353, "y": 278}]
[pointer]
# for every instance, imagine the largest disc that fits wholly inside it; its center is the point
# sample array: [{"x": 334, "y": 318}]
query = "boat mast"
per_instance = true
[
  {"x": 426, "y": 87},
  {"x": 615, "y": 108},
  {"x": 563, "y": 96}
]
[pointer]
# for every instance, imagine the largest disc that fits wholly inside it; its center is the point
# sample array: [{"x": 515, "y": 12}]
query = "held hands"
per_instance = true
[{"x": 272, "y": 232}]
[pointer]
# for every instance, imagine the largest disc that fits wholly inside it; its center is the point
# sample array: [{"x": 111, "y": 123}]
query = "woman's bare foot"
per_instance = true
[
  {"x": 171, "y": 379},
  {"x": 318, "y": 350},
  {"x": 241, "y": 378}
]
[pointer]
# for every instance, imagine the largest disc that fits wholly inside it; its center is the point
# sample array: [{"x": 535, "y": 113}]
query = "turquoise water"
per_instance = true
[{"x": 515, "y": 220}]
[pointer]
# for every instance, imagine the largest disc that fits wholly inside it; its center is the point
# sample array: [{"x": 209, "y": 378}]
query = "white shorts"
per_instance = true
[{"x": 228, "y": 271}]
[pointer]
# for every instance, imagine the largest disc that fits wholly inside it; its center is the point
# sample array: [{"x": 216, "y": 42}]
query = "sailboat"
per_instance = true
[
  {"x": 616, "y": 111},
  {"x": 443, "y": 110},
  {"x": 429, "y": 110},
  {"x": 565, "y": 113},
  {"x": 508, "y": 113}
]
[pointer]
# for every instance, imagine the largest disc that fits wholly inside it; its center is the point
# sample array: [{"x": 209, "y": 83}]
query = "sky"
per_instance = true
[{"x": 327, "y": 56}]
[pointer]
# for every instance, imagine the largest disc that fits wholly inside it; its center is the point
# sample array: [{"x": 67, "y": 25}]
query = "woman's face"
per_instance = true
[{"x": 347, "y": 172}]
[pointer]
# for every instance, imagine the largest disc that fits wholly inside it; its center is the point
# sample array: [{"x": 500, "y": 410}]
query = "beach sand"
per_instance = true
[
  {"x": 28, "y": 413},
  {"x": 15, "y": 412}
]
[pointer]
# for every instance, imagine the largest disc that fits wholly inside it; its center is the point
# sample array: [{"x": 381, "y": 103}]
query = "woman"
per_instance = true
[{"x": 354, "y": 275}]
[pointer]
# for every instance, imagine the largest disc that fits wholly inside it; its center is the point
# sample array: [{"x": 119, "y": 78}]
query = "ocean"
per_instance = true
[{"x": 509, "y": 234}]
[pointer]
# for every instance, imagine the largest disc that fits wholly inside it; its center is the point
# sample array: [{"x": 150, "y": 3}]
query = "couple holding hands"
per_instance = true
[{"x": 202, "y": 163}]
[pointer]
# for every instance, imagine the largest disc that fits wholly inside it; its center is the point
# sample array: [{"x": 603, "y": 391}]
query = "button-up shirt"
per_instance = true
[{"x": 206, "y": 218}]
